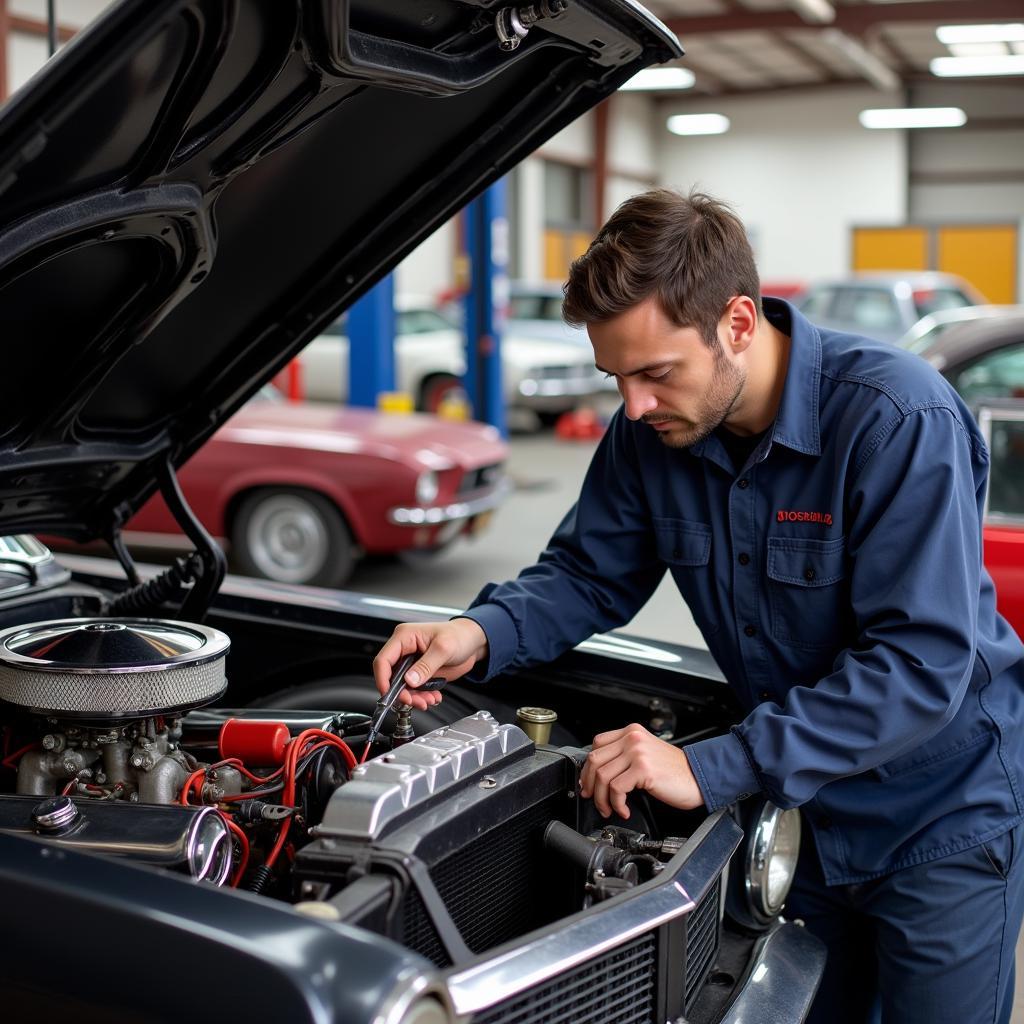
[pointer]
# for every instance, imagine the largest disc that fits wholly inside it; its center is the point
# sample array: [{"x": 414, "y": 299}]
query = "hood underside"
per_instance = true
[{"x": 192, "y": 189}]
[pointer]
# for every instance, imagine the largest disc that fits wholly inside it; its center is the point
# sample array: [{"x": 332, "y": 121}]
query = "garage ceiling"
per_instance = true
[{"x": 743, "y": 46}]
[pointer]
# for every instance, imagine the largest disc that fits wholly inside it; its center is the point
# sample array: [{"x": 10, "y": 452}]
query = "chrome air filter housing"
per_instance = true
[{"x": 108, "y": 670}]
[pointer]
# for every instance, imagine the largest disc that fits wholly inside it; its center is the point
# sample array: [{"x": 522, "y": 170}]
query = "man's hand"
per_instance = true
[
  {"x": 633, "y": 758},
  {"x": 448, "y": 649}
]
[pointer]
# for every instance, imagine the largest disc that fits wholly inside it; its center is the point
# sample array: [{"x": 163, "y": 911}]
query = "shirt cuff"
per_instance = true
[
  {"x": 724, "y": 760},
  {"x": 502, "y": 640}
]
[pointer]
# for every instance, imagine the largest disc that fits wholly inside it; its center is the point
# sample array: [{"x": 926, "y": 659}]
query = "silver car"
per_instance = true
[{"x": 884, "y": 305}]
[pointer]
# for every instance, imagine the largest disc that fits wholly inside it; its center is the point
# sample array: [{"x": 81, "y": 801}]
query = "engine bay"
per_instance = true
[{"x": 451, "y": 843}]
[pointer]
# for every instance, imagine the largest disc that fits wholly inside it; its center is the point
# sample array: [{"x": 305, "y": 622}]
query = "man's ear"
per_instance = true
[{"x": 740, "y": 322}]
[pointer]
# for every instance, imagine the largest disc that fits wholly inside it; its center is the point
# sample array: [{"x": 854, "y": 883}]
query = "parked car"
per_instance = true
[
  {"x": 923, "y": 334},
  {"x": 545, "y": 377},
  {"x": 191, "y": 192},
  {"x": 884, "y": 305},
  {"x": 983, "y": 358},
  {"x": 298, "y": 492}
]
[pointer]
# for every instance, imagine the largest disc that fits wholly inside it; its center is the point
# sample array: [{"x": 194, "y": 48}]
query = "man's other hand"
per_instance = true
[
  {"x": 448, "y": 649},
  {"x": 633, "y": 758}
]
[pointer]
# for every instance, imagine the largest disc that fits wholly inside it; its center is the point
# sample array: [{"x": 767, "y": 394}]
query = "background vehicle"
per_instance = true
[
  {"x": 925, "y": 332},
  {"x": 545, "y": 377},
  {"x": 884, "y": 305},
  {"x": 983, "y": 358},
  {"x": 299, "y": 492}
]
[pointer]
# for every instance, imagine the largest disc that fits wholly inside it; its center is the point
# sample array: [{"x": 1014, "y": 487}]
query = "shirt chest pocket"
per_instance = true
[
  {"x": 808, "y": 591},
  {"x": 685, "y": 547}
]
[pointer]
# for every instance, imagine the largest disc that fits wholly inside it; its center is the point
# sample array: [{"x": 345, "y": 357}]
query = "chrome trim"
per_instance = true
[
  {"x": 435, "y": 514},
  {"x": 534, "y": 962},
  {"x": 512, "y": 971},
  {"x": 24, "y": 549},
  {"x": 985, "y": 415},
  {"x": 555, "y": 387},
  {"x": 783, "y": 978},
  {"x": 201, "y": 871},
  {"x": 215, "y": 645},
  {"x": 759, "y": 855},
  {"x": 407, "y": 993}
]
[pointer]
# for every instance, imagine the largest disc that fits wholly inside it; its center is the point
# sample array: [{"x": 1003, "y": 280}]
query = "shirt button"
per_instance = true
[
  {"x": 743, "y": 558},
  {"x": 676, "y": 553},
  {"x": 808, "y": 574},
  {"x": 749, "y": 630},
  {"x": 764, "y": 695},
  {"x": 824, "y": 822},
  {"x": 743, "y": 484}
]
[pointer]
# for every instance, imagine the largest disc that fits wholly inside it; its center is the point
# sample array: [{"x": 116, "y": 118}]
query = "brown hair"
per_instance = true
[{"x": 691, "y": 251}]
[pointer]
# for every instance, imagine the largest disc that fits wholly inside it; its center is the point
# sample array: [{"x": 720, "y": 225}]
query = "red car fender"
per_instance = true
[{"x": 231, "y": 489}]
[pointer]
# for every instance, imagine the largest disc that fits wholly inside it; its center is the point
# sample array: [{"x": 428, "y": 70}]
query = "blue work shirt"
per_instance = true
[{"x": 838, "y": 581}]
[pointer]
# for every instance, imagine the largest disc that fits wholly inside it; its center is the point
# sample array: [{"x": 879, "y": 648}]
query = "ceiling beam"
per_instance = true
[
  {"x": 35, "y": 27},
  {"x": 854, "y": 18}
]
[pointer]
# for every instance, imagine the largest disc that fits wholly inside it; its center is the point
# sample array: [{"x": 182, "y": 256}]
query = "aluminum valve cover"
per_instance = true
[{"x": 384, "y": 789}]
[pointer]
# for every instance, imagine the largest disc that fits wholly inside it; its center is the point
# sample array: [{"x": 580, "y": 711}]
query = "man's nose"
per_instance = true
[{"x": 638, "y": 400}]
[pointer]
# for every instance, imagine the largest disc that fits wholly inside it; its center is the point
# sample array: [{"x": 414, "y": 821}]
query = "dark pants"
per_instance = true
[{"x": 927, "y": 945}]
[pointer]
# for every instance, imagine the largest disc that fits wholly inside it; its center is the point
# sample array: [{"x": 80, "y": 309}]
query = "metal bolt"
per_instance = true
[
  {"x": 488, "y": 782},
  {"x": 137, "y": 761},
  {"x": 70, "y": 767},
  {"x": 49, "y": 742}
]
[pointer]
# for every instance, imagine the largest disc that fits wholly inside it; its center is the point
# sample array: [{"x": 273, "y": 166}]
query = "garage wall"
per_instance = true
[{"x": 799, "y": 170}]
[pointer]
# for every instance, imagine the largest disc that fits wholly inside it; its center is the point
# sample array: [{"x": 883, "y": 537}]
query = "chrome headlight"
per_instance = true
[
  {"x": 426, "y": 487},
  {"x": 774, "y": 845}
]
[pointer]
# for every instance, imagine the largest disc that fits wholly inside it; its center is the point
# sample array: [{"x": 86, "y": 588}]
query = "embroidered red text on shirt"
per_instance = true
[{"x": 789, "y": 516}]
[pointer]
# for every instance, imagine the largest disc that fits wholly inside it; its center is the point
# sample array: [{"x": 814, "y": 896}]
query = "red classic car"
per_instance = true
[{"x": 298, "y": 492}]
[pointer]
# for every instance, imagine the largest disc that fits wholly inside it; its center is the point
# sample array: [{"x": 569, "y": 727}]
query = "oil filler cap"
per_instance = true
[{"x": 55, "y": 816}]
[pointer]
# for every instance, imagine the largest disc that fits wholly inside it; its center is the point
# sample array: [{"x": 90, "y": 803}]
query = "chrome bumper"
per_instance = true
[
  {"x": 434, "y": 514},
  {"x": 783, "y": 978}
]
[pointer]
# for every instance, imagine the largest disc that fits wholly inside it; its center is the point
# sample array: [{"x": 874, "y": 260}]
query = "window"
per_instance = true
[
  {"x": 867, "y": 309},
  {"x": 818, "y": 304},
  {"x": 933, "y": 300},
  {"x": 1006, "y": 471},
  {"x": 998, "y": 374}
]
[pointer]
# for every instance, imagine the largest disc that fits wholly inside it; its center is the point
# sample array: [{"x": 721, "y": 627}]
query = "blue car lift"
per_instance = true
[{"x": 371, "y": 320}]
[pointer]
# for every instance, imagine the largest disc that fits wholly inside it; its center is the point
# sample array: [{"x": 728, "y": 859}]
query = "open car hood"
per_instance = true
[{"x": 192, "y": 189}]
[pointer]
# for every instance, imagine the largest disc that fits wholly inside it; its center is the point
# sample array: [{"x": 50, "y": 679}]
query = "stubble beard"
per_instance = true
[{"x": 723, "y": 394}]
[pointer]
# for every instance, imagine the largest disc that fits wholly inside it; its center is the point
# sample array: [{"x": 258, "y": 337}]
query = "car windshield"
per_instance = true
[
  {"x": 535, "y": 307},
  {"x": 420, "y": 321}
]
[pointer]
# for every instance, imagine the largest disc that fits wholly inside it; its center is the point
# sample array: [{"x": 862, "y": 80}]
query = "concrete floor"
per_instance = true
[{"x": 547, "y": 474}]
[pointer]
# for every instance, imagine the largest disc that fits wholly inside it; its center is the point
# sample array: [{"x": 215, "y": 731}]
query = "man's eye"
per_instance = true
[{"x": 658, "y": 376}]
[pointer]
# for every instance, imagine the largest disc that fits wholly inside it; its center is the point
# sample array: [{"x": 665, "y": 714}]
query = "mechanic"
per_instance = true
[{"x": 817, "y": 498}]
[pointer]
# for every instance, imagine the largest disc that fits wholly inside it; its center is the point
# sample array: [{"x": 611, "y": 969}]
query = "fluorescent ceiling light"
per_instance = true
[
  {"x": 919, "y": 117},
  {"x": 873, "y": 68},
  {"x": 659, "y": 78},
  {"x": 980, "y": 33},
  {"x": 698, "y": 124},
  {"x": 819, "y": 12},
  {"x": 978, "y": 49},
  {"x": 958, "y": 67}
]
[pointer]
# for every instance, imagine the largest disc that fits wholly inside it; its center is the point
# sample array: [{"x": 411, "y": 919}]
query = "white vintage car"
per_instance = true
[{"x": 546, "y": 376}]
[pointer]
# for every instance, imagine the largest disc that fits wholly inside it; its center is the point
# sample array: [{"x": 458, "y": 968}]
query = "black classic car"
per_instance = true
[{"x": 194, "y": 825}]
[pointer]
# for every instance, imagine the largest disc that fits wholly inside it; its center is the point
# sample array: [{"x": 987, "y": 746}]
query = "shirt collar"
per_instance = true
[{"x": 796, "y": 423}]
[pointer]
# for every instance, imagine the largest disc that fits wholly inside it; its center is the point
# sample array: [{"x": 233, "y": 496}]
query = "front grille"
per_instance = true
[
  {"x": 616, "y": 988},
  {"x": 485, "y": 476},
  {"x": 501, "y": 885},
  {"x": 701, "y": 941}
]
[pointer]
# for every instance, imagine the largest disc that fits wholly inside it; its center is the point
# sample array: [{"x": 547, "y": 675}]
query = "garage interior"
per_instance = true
[{"x": 785, "y": 84}]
